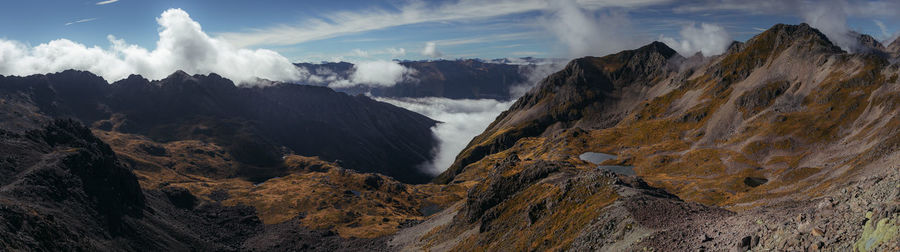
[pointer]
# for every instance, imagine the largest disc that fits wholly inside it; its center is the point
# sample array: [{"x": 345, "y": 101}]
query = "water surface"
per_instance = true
[{"x": 597, "y": 158}]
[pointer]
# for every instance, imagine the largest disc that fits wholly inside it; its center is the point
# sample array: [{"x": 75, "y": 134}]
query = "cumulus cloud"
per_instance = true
[
  {"x": 830, "y": 18},
  {"x": 709, "y": 39},
  {"x": 182, "y": 45},
  {"x": 461, "y": 120},
  {"x": 379, "y": 73},
  {"x": 583, "y": 33},
  {"x": 430, "y": 50}
]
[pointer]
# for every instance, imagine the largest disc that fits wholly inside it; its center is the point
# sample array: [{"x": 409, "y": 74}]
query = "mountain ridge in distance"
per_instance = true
[{"x": 454, "y": 79}]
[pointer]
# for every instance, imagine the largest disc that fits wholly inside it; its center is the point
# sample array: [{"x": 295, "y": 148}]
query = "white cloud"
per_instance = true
[
  {"x": 396, "y": 52},
  {"x": 709, "y": 39},
  {"x": 106, "y": 2},
  {"x": 430, "y": 50},
  {"x": 829, "y": 16},
  {"x": 413, "y": 12},
  {"x": 831, "y": 19},
  {"x": 379, "y": 73},
  {"x": 81, "y": 21},
  {"x": 886, "y": 36},
  {"x": 182, "y": 45},
  {"x": 360, "y": 53},
  {"x": 461, "y": 120},
  {"x": 393, "y": 52},
  {"x": 584, "y": 34},
  {"x": 534, "y": 73}
]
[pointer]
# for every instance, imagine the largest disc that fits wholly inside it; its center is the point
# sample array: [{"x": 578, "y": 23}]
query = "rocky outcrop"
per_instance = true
[
  {"x": 894, "y": 48},
  {"x": 62, "y": 189},
  {"x": 498, "y": 188}
]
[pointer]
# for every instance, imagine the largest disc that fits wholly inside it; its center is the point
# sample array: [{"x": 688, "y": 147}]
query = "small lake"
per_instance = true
[{"x": 597, "y": 158}]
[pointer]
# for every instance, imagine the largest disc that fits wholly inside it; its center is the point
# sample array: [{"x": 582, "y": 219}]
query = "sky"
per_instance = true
[{"x": 314, "y": 30}]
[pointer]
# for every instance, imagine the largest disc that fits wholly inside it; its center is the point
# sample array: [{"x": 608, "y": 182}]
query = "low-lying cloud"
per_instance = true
[
  {"x": 708, "y": 39},
  {"x": 534, "y": 74},
  {"x": 461, "y": 120},
  {"x": 583, "y": 33},
  {"x": 379, "y": 73},
  {"x": 431, "y": 51},
  {"x": 182, "y": 45}
]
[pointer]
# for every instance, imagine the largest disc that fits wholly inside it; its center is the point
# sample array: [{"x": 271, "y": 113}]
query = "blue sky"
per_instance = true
[{"x": 314, "y": 30}]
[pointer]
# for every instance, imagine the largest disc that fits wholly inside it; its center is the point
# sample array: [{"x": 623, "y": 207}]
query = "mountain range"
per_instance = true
[
  {"x": 455, "y": 79},
  {"x": 783, "y": 142}
]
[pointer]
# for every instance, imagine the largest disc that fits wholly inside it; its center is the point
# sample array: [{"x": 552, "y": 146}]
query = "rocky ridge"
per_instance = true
[{"x": 767, "y": 146}]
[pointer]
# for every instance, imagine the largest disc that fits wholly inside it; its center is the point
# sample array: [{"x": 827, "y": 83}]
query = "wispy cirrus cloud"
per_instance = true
[
  {"x": 348, "y": 22},
  {"x": 81, "y": 21},
  {"x": 106, "y": 2},
  {"x": 485, "y": 39}
]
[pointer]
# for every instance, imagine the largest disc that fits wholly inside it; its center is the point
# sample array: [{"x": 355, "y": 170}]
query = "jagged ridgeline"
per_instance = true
[
  {"x": 257, "y": 126},
  {"x": 786, "y": 140}
]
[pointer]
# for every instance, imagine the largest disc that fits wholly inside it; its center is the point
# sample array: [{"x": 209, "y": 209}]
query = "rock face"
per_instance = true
[
  {"x": 765, "y": 147},
  {"x": 257, "y": 125},
  {"x": 455, "y": 79},
  {"x": 579, "y": 95},
  {"x": 894, "y": 48},
  {"x": 62, "y": 189}
]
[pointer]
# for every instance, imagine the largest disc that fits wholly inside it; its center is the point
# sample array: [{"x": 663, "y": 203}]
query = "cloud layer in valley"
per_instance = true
[
  {"x": 461, "y": 120},
  {"x": 379, "y": 73},
  {"x": 182, "y": 45}
]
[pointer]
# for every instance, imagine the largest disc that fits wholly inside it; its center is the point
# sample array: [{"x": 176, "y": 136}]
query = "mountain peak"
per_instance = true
[
  {"x": 782, "y": 36},
  {"x": 659, "y": 47},
  {"x": 178, "y": 75}
]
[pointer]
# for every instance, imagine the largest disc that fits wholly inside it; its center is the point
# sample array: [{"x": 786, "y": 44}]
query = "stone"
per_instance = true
[{"x": 818, "y": 232}]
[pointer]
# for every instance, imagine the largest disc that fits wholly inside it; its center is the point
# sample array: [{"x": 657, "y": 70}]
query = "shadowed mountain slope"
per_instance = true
[{"x": 257, "y": 125}]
